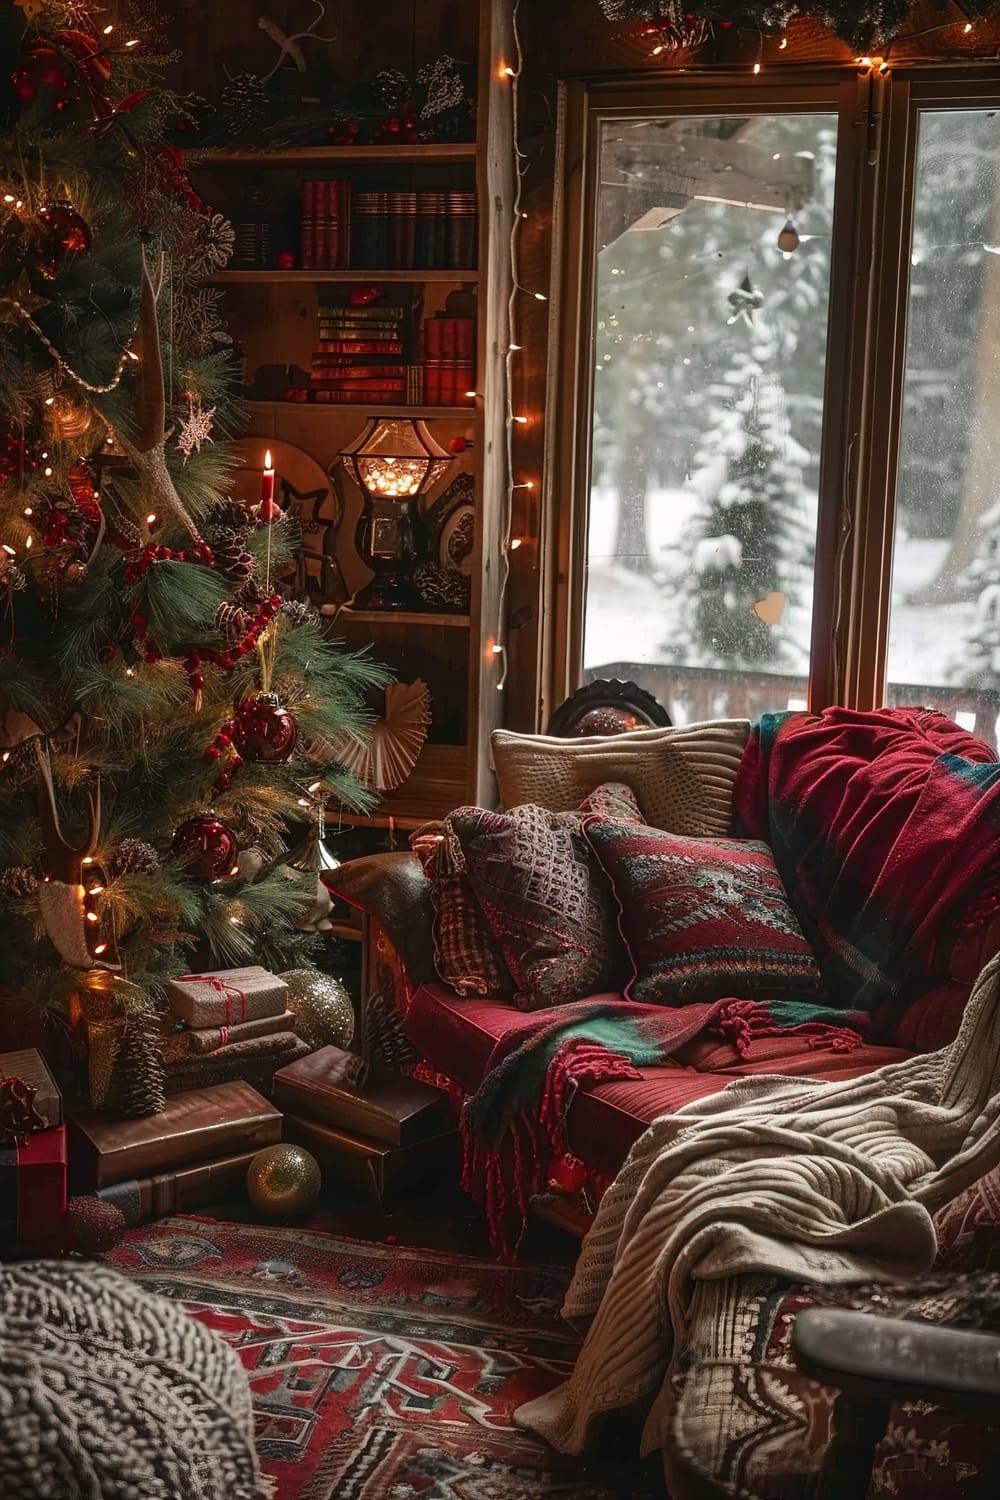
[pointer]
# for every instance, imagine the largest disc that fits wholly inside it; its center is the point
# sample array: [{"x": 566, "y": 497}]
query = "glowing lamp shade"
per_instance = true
[{"x": 393, "y": 463}]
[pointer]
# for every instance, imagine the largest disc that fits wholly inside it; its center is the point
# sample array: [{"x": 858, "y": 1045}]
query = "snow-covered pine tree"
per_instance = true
[
  {"x": 749, "y": 542},
  {"x": 982, "y": 646}
]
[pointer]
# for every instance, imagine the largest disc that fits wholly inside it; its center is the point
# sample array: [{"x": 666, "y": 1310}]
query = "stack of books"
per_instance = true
[
  {"x": 195, "y": 1151},
  {"x": 234, "y": 1023},
  {"x": 420, "y": 231},
  {"x": 359, "y": 359},
  {"x": 326, "y": 224},
  {"x": 449, "y": 361},
  {"x": 389, "y": 1135}
]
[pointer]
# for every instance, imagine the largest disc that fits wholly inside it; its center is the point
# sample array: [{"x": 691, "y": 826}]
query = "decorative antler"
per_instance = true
[
  {"x": 61, "y": 893},
  {"x": 148, "y": 451},
  {"x": 288, "y": 45}
]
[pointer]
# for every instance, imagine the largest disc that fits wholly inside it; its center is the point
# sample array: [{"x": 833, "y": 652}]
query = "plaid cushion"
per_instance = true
[
  {"x": 465, "y": 955},
  {"x": 544, "y": 896},
  {"x": 704, "y": 919}
]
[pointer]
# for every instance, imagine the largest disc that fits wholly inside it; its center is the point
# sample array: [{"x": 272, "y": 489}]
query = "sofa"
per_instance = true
[{"x": 683, "y": 780}]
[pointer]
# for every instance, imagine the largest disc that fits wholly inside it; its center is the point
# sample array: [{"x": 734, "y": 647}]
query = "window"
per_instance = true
[{"x": 783, "y": 387}]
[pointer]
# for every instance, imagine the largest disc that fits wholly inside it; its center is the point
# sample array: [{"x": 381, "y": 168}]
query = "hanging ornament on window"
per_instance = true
[
  {"x": 206, "y": 847},
  {"x": 788, "y": 237},
  {"x": 263, "y": 730},
  {"x": 65, "y": 235},
  {"x": 744, "y": 300},
  {"x": 196, "y": 427}
]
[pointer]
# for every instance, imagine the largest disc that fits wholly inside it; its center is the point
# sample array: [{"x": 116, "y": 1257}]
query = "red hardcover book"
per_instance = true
[
  {"x": 358, "y": 372},
  {"x": 344, "y": 218},
  {"x": 367, "y": 384},
  {"x": 360, "y": 398},
  {"x": 308, "y": 252},
  {"x": 359, "y": 346},
  {"x": 322, "y": 231},
  {"x": 432, "y": 360}
]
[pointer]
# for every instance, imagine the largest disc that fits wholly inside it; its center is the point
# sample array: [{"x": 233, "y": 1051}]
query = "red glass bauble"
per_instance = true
[
  {"x": 42, "y": 67},
  {"x": 264, "y": 730},
  {"x": 363, "y": 296},
  {"x": 206, "y": 847},
  {"x": 285, "y": 260},
  {"x": 66, "y": 234}
]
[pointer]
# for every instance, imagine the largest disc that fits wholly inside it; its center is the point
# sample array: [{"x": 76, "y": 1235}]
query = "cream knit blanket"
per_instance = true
[{"x": 831, "y": 1183}]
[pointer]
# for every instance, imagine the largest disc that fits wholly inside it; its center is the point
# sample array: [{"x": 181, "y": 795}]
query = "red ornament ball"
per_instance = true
[
  {"x": 285, "y": 260},
  {"x": 93, "y": 1226},
  {"x": 42, "y": 67},
  {"x": 206, "y": 847},
  {"x": 363, "y": 296},
  {"x": 459, "y": 444},
  {"x": 264, "y": 731},
  {"x": 66, "y": 234}
]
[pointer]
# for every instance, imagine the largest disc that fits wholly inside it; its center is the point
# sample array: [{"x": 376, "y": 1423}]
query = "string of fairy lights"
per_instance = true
[{"x": 511, "y": 72}]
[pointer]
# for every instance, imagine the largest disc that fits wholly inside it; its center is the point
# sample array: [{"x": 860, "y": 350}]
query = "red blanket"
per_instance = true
[{"x": 882, "y": 825}]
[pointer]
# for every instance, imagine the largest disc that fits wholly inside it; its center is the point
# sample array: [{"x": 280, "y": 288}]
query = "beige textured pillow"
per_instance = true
[{"x": 682, "y": 777}]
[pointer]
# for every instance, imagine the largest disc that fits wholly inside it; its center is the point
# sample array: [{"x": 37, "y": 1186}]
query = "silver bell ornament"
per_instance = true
[{"x": 312, "y": 857}]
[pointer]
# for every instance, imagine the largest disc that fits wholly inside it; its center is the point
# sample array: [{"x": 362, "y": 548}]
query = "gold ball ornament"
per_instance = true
[
  {"x": 284, "y": 1179},
  {"x": 322, "y": 1007}
]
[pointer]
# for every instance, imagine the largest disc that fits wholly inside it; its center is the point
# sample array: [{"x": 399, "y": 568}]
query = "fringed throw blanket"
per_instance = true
[
  {"x": 881, "y": 825},
  {"x": 830, "y": 1183},
  {"x": 514, "y": 1125}
]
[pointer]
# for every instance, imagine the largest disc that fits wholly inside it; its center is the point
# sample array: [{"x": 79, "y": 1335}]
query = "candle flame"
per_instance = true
[{"x": 267, "y": 459}]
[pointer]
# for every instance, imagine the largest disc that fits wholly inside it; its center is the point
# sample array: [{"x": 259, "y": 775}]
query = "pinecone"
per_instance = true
[
  {"x": 243, "y": 103},
  {"x": 135, "y": 857},
  {"x": 16, "y": 882},
  {"x": 231, "y": 557},
  {"x": 299, "y": 611},
  {"x": 141, "y": 1071},
  {"x": 227, "y": 515}
]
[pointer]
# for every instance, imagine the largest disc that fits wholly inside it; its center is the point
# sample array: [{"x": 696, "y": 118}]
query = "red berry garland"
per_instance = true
[{"x": 16, "y": 459}]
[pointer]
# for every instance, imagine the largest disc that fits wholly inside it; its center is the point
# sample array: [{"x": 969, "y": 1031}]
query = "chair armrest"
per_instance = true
[
  {"x": 871, "y": 1358},
  {"x": 393, "y": 889}
]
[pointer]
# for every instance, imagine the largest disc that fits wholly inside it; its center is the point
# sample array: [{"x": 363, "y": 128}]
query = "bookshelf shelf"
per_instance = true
[
  {"x": 327, "y": 408},
  {"x": 318, "y": 156},
  {"x": 400, "y": 617},
  {"x": 413, "y": 277}
]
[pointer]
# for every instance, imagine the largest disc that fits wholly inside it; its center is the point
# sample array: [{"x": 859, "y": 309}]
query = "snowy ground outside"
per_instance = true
[{"x": 628, "y": 613}]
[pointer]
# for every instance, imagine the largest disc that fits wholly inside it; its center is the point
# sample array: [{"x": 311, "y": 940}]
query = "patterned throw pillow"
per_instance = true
[
  {"x": 545, "y": 897},
  {"x": 704, "y": 919},
  {"x": 466, "y": 956}
]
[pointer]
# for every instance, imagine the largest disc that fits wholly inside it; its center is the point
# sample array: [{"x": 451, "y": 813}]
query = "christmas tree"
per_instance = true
[
  {"x": 166, "y": 710},
  {"x": 747, "y": 546}
]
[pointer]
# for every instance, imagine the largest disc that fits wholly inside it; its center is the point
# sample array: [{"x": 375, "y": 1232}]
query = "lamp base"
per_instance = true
[{"x": 388, "y": 592}]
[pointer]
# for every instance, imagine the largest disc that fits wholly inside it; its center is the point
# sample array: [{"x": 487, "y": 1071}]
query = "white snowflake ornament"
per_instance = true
[{"x": 195, "y": 429}]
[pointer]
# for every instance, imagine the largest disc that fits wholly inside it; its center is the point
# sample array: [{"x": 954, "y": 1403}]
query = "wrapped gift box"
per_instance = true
[
  {"x": 199, "y": 1125},
  {"x": 217, "y": 1038},
  {"x": 30, "y": 1067},
  {"x": 145, "y": 1198},
  {"x": 379, "y": 1173},
  {"x": 227, "y": 997},
  {"x": 33, "y": 1194},
  {"x": 220, "y": 1067},
  {"x": 397, "y": 1111}
]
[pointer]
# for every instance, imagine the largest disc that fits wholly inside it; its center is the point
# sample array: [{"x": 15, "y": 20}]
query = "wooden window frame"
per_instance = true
[{"x": 869, "y": 289}]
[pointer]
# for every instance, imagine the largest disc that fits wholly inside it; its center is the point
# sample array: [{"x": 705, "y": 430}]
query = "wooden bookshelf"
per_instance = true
[
  {"x": 443, "y": 153},
  {"x": 313, "y": 278},
  {"x": 399, "y": 617},
  {"x": 324, "y": 408},
  {"x": 450, "y": 652}
]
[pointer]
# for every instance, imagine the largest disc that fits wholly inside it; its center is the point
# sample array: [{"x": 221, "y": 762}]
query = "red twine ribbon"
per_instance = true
[
  {"x": 223, "y": 1036},
  {"x": 229, "y": 992}
]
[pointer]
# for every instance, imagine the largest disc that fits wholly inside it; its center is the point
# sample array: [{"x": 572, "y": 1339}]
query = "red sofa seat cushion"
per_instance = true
[{"x": 458, "y": 1036}]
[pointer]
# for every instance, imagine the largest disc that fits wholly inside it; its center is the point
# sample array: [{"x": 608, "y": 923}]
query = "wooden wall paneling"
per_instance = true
[{"x": 496, "y": 196}]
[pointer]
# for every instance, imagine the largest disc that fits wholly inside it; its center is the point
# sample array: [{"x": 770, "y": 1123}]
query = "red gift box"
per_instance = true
[{"x": 33, "y": 1194}]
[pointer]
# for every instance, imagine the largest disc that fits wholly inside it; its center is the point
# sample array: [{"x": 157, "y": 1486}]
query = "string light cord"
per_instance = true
[{"x": 514, "y": 74}]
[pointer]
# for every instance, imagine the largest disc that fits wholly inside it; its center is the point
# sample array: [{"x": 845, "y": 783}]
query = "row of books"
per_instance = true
[
  {"x": 449, "y": 361},
  {"x": 359, "y": 357},
  {"x": 392, "y": 230}
]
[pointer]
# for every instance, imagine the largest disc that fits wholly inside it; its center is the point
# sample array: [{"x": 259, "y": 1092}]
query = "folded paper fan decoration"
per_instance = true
[{"x": 384, "y": 761}]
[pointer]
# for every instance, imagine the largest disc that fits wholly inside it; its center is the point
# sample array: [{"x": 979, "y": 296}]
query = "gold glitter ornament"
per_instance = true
[
  {"x": 284, "y": 1179},
  {"x": 322, "y": 1007}
]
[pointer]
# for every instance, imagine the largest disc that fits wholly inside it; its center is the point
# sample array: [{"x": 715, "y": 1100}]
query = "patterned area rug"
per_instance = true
[{"x": 380, "y": 1372}]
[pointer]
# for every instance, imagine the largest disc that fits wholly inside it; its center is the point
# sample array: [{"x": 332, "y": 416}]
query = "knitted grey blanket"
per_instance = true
[
  {"x": 830, "y": 1183},
  {"x": 108, "y": 1392}
]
